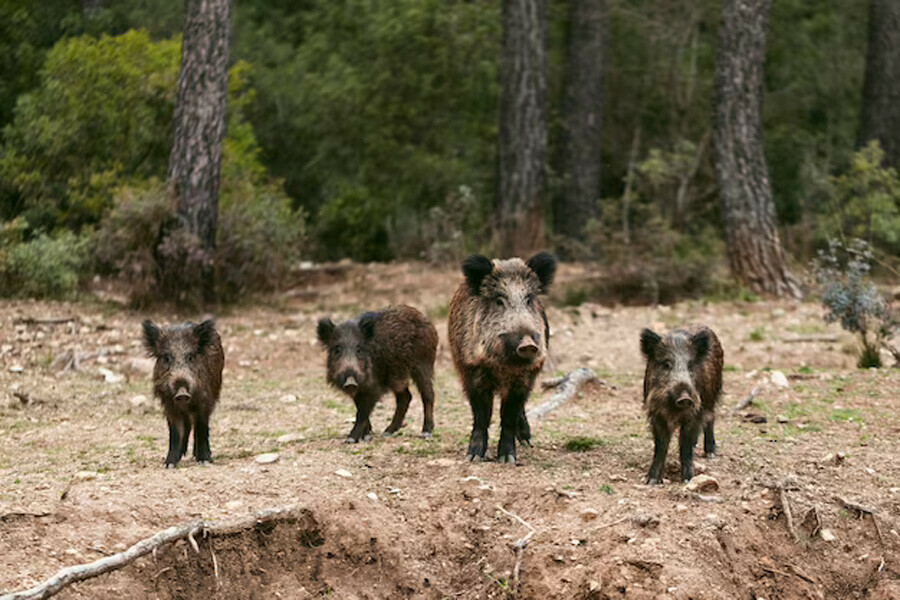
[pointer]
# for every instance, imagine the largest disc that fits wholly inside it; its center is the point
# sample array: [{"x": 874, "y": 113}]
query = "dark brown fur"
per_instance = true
[
  {"x": 381, "y": 351},
  {"x": 682, "y": 385},
  {"x": 187, "y": 379},
  {"x": 499, "y": 338}
]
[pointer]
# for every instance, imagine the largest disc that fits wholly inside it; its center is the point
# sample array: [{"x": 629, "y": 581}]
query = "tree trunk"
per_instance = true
[
  {"x": 754, "y": 248},
  {"x": 881, "y": 90},
  {"x": 582, "y": 110},
  {"x": 196, "y": 158},
  {"x": 519, "y": 223}
]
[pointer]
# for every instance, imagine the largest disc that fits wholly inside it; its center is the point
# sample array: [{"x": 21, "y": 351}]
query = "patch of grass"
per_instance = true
[
  {"x": 439, "y": 312},
  {"x": 575, "y": 296},
  {"x": 423, "y": 449},
  {"x": 607, "y": 488},
  {"x": 730, "y": 369},
  {"x": 758, "y": 334},
  {"x": 846, "y": 414},
  {"x": 805, "y": 370},
  {"x": 583, "y": 443},
  {"x": 806, "y": 328}
]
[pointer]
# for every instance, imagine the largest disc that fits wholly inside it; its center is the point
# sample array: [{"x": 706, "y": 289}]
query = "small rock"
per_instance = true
[
  {"x": 779, "y": 380},
  {"x": 589, "y": 514},
  {"x": 835, "y": 458},
  {"x": 16, "y": 369},
  {"x": 287, "y": 398},
  {"x": 110, "y": 376},
  {"x": 289, "y": 438},
  {"x": 343, "y": 473},
  {"x": 372, "y": 496},
  {"x": 267, "y": 459},
  {"x": 395, "y": 491},
  {"x": 783, "y": 419},
  {"x": 681, "y": 507},
  {"x": 86, "y": 475},
  {"x": 593, "y": 586},
  {"x": 234, "y": 504},
  {"x": 827, "y": 535},
  {"x": 245, "y": 363},
  {"x": 755, "y": 418},
  {"x": 139, "y": 401},
  {"x": 647, "y": 520},
  {"x": 703, "y": 484}
]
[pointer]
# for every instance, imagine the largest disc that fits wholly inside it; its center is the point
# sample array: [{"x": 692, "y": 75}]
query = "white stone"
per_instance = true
[
  {"x": 827, "y": 535},
  {"x": 267, "y": 459},
  {"x": 86, "y": 475},
  {"x": 372, "y": 496},
  {"x": 779, "y": 380},
  {"x": 343, "y": 473},
  {"x": 16, "y": 369},
  {"x": 290, "y": 438},
  {"x": 288, "y": 399}
]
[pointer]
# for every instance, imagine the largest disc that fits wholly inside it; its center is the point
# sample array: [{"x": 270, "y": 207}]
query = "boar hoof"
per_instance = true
[
  {"x": 204, "y": 463},
  {"x": 426, "y": 435},
  {"x": 508, "y": 458},
  {"x": 351, "y": 440},
  {"x": 474, "y": 458},
  {"x": 367, "y": 437},
  {"x": 390, "y": 433},
  {"x": 171, "y": 465},
  {"x": 654, "y": 481},
  {"x": 709, "y": 455}
]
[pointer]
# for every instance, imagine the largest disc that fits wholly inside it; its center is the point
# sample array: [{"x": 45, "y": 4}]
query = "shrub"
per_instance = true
[
  {"x": 44, "y": 266},
  {"x": 842, "y": 269}
]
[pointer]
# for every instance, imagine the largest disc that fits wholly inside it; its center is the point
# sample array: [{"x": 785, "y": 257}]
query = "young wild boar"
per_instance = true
[
  {"x": 499, "y": 337},
  {"x": 187, "y": 379},
  {"x": 380, "y": 351},
  {"x": 682, "y": 385}
]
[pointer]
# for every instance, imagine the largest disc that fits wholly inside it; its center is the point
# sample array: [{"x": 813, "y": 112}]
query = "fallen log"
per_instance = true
[
  {"x": 76, "y": 573},
  {"x": 567, "y": 387}
]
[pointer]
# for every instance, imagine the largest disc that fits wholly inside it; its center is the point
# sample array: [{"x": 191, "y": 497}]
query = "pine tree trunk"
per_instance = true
[
  {"x": 881, "y": 90},
  {"x": 582, "y": 110},
  {"x": 754, "y": 248},
  {"x": 196, "y": 158},
  {"x": 519, "y": 222}
]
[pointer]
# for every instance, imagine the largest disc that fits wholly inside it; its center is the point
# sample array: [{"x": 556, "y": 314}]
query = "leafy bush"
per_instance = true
[
  {"x": 42, "y": 267},
  {"x": 865, "y": 201},
  {"x": 852, "y": 299}
]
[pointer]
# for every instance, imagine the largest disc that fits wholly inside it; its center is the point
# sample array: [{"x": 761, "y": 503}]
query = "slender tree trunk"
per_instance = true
[
  {"x": 881, "y": 90},
  {"x": 196, "y": 158},
  {"x": 754, "y": 248},
  {"x": 519, "y": 222},
  {"x": 582, "y": 110}
]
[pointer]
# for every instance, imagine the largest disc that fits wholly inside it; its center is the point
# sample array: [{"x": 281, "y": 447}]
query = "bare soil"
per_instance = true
[{"x": 81, "y": 462}]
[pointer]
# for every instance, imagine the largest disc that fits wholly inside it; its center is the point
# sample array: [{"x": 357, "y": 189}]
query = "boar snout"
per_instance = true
[
  {"x": 350, "y": 385},
  {"x": 527, "y": 348}
]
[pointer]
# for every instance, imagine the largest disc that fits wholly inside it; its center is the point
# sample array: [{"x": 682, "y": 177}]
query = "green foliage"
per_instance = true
[
  {"x": 865, "y": 201},
  {"x": 44, "y": 266},
  {"x": 583, "y": 443},
  {"x": 101, "y": 114},
  {"x": 375, "y": 112}
]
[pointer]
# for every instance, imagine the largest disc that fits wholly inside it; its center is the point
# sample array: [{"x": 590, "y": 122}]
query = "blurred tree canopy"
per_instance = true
[{"x": 380, "y": 119}]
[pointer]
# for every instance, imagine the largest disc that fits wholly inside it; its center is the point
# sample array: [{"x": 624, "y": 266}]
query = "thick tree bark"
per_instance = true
[
  {"x": 582, "y": 110},
  {"x": 519, "y": 222},
  {"x": 881, "y": 90},
  {"x": 196, "y": 158},
  {"x": 754, "y": 248}
]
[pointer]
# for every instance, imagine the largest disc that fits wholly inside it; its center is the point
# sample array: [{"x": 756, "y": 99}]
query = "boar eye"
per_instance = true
[
  {"x": 500, "y": 301},
  {"x": 337, "y": 349},
  {"x": 530, "y": 298},
  {"x": 167, "y": 358},
  {"x": 359, "y": 350},
  {"x": 667, "y": 364}
]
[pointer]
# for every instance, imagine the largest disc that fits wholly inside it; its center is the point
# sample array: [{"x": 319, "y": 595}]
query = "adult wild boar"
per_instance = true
[
  {"x": 682, "y": 385},
  {"x": 187, "y": 378},
  {"x": 499, "y": 338},
  {"x": 380, "y": 351}
]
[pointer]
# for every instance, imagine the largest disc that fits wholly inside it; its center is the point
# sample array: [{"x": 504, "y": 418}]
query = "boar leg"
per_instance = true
[
  {"x": 511, "y": 410},
  {"x": 364, "y": 405},
  {"x": 709, "y": 439},
  {"x": 523, "y": 429},
  {"x": 186, "y": 419},
  {"x": 662, "y": 435},
  {"x": 690, "y": 431},
  {"x": 201, "y": 439},
  {"x": 481, "y": 399},
  {"x": 176, "y": 434},
  {"x": 423, "y": 379},
  {"x": 403, "y": 400}
]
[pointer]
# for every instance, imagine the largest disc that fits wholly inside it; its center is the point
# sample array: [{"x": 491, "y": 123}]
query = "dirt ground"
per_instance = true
[{"x": 82, "y": 445}]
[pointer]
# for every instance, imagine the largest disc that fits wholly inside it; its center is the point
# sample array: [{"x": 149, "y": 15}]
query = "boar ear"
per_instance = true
[
  {"x": 544, "y": 266},
  {"x": 204, "y": 333},
  {"x": 367, "y": 324},
  {"x": 476, "y": 268},
  {"x": 700, "y": 342},
  {"x": 151, "y": 337},
  {"x": 324, "y": 330},
  {"x": 649, "y": 341}
]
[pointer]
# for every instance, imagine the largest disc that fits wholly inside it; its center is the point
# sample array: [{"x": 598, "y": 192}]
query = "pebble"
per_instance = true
[
  {"x": 779, "y": 380},
  {"x": 372, "y": 496},
  {"x": 267, "y": 459},
  {"x": 290, "y": 438},
  {"x": 703, "y": 484},
  {"x": 86, "y": 475},
  {"x": 827, "y": 535},
  {"x": 343, "y": 473},
  {"x": 110, "y": 376},
  {"x": 589, "y": 514},
  {"x": 647, "y": 520},
  {"x": 234, "y": 504},
  {"x": 287, "y": 398},
  {"x": 783, "y": 419},
  {"x": 16, "y": 369}
]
